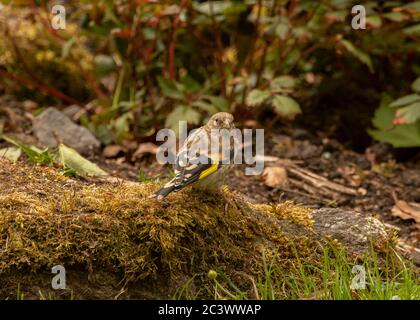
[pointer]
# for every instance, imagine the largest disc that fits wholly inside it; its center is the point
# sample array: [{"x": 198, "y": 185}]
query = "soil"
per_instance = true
[
  {"x": 381, "y": 174},
  {"x": 377, "y": 173}
]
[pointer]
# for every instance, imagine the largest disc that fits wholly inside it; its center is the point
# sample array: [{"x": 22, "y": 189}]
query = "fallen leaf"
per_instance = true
[
  {"x": 251, "y": 123},
  {"x": 143, "y": 149},
  {"x": 362, "y": 191},
  {"x": 406, "y": 210},
  {"x": 11, "y": 153},
  {"x": 274, "y": 176},
  {"x": 112, "y": 151},
  {"x": 70, "y": 158}
]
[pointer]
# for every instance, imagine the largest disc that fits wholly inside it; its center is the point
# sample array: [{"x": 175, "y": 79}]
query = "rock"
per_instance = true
[
  {"x": 73, "y": 112},
  {"x": 52, "y": 127},
  {"x": 356, "y": 232},
  {"x": 353, "y": 230}
]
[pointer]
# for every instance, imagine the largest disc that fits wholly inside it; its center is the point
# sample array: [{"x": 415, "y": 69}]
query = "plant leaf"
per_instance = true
[
  {"x": 286, "y": 106},
  {"x": 220, "y": 103},
  {"x": 11, "y": 153},
  {"x": 67, "y": 47},
  {"x": 182, "y": 113},
  {"x": 205, "y": 106},
  {"x": 71, "y": 159},
  {"x": 257, "y": 97},
  {"x": 359, "y": 54},
  {"x": 395, "y": 16},
  {"x": 402, "y": 136},
  {"x": 282, "y": 82},
  {"x": 416, "y": 85},
  {"x": 207, "y": 8},
  {"x": 282, "y": 30},
  {"x": 169, "y": 88},
  {"x": 33, "y": 153},
  {"x": 374, "y": 21},
  {"x": 413, "y": 30},
  {"x": 411, "y": 98},
  {"x": 104, "y": 64},
  {"x": 410, "y": 113}
]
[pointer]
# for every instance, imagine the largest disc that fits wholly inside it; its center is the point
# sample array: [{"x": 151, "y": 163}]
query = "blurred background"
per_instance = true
[{"x": 129, "y": 68}]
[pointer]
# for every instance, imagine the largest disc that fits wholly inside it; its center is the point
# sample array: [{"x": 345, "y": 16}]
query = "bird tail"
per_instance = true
[{"x": 167, "y": 189}]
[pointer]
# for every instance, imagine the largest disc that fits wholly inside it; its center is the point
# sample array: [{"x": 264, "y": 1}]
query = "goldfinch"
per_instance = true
[{"x": 196, "y": 161}]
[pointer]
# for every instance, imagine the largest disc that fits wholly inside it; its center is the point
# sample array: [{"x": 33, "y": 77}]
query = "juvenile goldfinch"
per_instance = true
[{"x": 196, "y": 161}]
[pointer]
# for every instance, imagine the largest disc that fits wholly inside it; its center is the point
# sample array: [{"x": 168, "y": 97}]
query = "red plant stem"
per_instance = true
[
  {"x": 35, "y": 85},
  {"x": 38, "y": 81},
  {"x": 85, "y": 73},
  {"x": 172, "y": 44},
  {"x": 219, "y": 46},
  {"x": 265, "y": 50},
  {"x": 249, "y": 59},
  {"x": 171, "y": 61}
]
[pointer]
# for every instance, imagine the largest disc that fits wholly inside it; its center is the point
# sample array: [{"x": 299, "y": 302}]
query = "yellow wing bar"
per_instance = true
[{"x": 209, "y": 171}]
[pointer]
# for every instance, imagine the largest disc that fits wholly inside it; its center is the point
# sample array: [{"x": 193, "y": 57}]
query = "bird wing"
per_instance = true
[{"x": 191, "y": 167}]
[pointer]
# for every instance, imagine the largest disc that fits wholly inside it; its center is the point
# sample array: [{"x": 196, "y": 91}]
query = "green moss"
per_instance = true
[
  {"x": 48, "y": 219},
  {"x": 118, "y": 226}
]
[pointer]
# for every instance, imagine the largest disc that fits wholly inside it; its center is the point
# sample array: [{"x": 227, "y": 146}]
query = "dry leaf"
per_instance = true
[
  {"x": 406, "y": 210},
  {"x": 274, "y": 176},
  {"x": 143, "y": 149},
  {"x": 250, "y": 124},
  {"x": 350, "y": 174},
  {"x": 112, "y": 151}
]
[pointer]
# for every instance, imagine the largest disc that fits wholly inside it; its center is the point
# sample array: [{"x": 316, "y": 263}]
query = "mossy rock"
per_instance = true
[{"x": 100, "y": 228}]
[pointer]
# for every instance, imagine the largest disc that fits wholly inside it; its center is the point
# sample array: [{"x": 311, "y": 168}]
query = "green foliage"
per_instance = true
[
  {"x": 256, "y": 97},
  {"x": 75, "y": 164},
  {"x": 286, "y": 106},
  {"x": 283, "y": 105},
  {"x": 407, "y": 135},
  {"x": 409, "y": 106},
  {"x": 386, "y": 278},
  {"x": 411, "y": 98},
  {"x": 33, "y": 153},
  {"x": 398, "y": 122},
  {"x": 142, "y": 65},
  {"x": 72, "y": 162},
  {"x": 142, "y": 177},
  {"x": 11, "y": 153},
  {"x": 360, "y": 55},
  {"x": 333, "y": 279}
]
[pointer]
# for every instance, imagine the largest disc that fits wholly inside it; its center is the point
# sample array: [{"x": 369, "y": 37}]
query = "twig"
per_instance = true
[
  {"x": 297, "y": 183},
  {"x": 321, "y": 182}
]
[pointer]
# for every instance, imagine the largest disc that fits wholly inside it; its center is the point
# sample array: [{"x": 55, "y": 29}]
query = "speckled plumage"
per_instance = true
[{"x": 204, "y": 162}]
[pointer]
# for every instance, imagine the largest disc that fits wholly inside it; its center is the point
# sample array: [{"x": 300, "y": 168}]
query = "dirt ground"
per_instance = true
[
  {"x": 372, "y": 180},
  {"x": 378, "y": 175}
]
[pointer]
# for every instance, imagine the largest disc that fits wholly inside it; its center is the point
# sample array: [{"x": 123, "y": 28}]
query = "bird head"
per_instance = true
[{"x": 221, "y": 120}]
